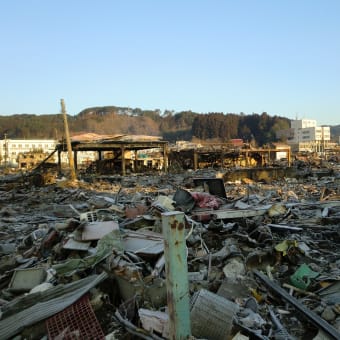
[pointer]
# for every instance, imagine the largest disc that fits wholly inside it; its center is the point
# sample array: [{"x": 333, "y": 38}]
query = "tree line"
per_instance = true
[{"x": 172, "y": 126}]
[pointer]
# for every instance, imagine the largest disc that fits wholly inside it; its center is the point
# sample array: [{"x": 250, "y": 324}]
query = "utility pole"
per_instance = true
[{"x": 68, "y": 141}]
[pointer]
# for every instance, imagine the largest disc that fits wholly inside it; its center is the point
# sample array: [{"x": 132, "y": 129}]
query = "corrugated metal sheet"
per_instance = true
[
  {"x": 15, "y": 323},
  {"x": 144, "y": 242}
]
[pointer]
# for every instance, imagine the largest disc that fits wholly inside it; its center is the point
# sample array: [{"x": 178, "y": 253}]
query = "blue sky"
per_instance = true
[{"x": 281, "y": 57}]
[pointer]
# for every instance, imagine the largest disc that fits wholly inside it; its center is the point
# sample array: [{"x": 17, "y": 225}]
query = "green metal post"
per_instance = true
[{"x": 176, "y": 268}]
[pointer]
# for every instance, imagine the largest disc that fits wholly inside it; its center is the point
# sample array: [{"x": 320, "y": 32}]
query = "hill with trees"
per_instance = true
[{"x": 172, "y": 126}]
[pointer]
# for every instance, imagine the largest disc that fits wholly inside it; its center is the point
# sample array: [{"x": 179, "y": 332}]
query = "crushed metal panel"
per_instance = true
[
  {"x": 144, "y": 242},
  {"x": 331, "y": 293},
  {"x": 23, "y": 280},
  {"x": 96, "y": 230},
  {"x": 42, "y": 310},
  {"x": 72, "y": 244}
]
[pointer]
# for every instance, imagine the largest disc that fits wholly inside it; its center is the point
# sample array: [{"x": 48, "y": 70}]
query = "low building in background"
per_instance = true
[{"x": 30, "y": 160}]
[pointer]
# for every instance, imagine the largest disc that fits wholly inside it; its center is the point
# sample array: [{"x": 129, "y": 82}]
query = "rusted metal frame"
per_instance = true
[
  {"x": 314, "y": 318},
  {"x": 177, "y": 282}
]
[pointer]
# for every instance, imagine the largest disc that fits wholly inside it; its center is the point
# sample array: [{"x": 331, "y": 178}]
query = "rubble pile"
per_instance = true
[{"x": 86, "y": 260}]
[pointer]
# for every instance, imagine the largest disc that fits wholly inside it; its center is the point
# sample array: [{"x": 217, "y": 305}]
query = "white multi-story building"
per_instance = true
[
  {"x": 302, "y": 123},
  {"x": 11, "y": 148},
  {"x": 307, "y": 136}
]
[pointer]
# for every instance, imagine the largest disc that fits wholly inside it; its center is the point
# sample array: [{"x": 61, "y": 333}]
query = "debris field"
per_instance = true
[{"x": 86, "y": 259}]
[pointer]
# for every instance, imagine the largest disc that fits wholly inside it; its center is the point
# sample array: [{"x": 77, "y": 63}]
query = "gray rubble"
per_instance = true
[{"x": 263, "y": 258}]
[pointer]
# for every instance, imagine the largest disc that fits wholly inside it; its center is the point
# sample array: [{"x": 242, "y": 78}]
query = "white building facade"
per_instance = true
[
  {"x": 11, "y": 148},
  {"x": 307, "y": 136}
]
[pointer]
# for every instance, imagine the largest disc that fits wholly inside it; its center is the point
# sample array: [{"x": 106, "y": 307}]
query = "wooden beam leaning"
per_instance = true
[{"x": 68, "y": 141}]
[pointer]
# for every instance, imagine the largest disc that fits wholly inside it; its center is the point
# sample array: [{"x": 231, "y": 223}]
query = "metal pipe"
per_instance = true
[
  {"x": 176, "y": 268},
  {"x": 314, "y": 318}
]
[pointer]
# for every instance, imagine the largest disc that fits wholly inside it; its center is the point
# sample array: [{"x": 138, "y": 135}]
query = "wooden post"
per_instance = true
[
  {"x": 68, "y": 141},
  {"x": 75, "y": 153},
  {"x": 195, "y": 160},
  {"x": 165, "y": 158},
  {"x": 59, "y": 161},
  {"x": 177, "y": 282},
  {"x": 123, "y": 161},
  {"x": 135, "y": 163}
]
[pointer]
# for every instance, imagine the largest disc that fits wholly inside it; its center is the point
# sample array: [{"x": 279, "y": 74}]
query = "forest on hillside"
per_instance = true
[{"x": 186, "y": 125}]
